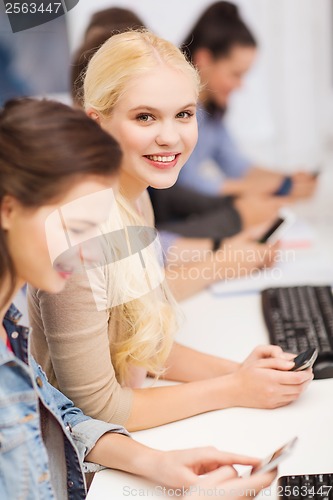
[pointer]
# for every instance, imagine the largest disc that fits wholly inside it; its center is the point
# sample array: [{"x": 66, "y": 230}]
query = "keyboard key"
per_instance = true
[
  {"x": 300, "y": 317},
  {"x": 306, "y": 486}
]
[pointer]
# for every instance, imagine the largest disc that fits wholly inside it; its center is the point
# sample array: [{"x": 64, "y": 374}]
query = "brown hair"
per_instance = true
[
  {"x": 45, "y": 146},
  {"x": 219, "y": 29},
  {"x": 102, "y": 26}
]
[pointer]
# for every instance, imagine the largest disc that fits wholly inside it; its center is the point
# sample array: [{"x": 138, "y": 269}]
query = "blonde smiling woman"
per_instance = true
[{"x": 141, "y": 90}]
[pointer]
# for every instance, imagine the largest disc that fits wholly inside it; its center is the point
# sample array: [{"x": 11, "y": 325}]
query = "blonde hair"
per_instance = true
[
  {"x": 149, "y": 321},
  {"x": 122, "y": 58},
  {"x": 144, "y": 312}
]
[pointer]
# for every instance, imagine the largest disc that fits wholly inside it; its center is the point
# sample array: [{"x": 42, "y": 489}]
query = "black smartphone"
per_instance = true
[
  {"x": 272, "y": 461},
  {"x": 270, "y": 232},
  {"x": 284, "y": 220},
  {"x": 305, "y": 360}
]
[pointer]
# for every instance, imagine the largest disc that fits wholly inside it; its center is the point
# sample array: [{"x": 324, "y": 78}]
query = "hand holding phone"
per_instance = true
[
  {"x": 279, "y": 226},
  {"x": 272, "y": 461},
  {"x": 305, "y": 360}
]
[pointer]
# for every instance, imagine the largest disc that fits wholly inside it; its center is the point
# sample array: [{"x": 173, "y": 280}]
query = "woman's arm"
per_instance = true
[
  {"x": 79, "y": 345},
  {"x": 262, "y": 381},
  {"x": 256, "y": 181},
  {"x": 188, "y": 365},
  {"x": 175, "y": 469},
  {"x": 267, "y": 182},
  {"x": 74, "y": 328}
]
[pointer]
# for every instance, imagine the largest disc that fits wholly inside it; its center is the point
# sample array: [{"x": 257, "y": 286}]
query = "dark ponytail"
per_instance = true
[
  {"x": 45, "y": 146},
  {"x": 218, "y": 29}
]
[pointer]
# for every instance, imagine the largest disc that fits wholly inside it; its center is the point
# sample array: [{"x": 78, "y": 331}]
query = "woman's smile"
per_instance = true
[{"x": 163, "y": 160}]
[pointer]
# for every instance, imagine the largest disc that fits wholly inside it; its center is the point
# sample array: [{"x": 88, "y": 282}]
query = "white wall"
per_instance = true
[
  {"x": 168, "y": 18},
  {"x": 283, "y": 113},
  {"x": 290, "y": 92}
]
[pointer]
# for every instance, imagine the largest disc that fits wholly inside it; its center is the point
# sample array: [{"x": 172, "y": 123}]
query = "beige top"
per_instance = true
[{"x": 71, "y": 341}]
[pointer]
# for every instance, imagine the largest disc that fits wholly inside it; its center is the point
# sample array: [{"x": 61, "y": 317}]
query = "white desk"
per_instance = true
[
  {"x": 231, "y": 327},
  {"x": 235, "y": 326}
]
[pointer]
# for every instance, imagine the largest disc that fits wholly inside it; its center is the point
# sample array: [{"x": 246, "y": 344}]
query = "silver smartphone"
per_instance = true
[
  {"x": 272, "y": 461},
  {"x": 305, "y": 360}
]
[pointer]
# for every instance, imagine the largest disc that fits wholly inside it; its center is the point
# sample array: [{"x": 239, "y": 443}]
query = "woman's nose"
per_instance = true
[{"x": 167, "y": 135}]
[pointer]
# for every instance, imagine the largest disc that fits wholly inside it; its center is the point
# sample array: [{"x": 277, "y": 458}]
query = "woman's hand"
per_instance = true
[
  {"x": 264, "y": 379},
  {"x": 224, "y": 484},
  {"x": 183, "y": 468}
]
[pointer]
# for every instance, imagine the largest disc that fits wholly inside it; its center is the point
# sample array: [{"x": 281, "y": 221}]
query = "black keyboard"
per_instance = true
[
  {"x": 301, "y": 317},
  {"x": 306, "y": 486}
]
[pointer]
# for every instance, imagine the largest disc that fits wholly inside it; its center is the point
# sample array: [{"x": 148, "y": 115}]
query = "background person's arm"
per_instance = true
[
  {"x": 256, "y": 181},
  {"x": 189, "y": 271},
  {"x": 262, "y": 181}
]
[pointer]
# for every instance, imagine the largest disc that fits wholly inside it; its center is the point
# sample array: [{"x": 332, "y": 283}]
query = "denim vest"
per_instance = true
[{"x": 36, "y": 418}]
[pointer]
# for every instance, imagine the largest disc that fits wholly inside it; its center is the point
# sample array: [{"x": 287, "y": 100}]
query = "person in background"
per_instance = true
[
  {"x": 54, "y": 160},
  {"x": 104, "y": 333},
  {"x": 223, "y": 49},
  {"x": 34, "y": 61},
  {"x": 11, "y": 85}
]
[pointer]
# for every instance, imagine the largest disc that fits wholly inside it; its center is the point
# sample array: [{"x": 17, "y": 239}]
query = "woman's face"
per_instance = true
[
  {"x": 155, "y": 124},
  {"x": 223, "y": 75},
  {"x": 46, "y": 244}
]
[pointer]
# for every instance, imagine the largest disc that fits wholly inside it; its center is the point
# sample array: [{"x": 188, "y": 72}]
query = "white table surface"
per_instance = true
[{"x": 231, "y": 326}]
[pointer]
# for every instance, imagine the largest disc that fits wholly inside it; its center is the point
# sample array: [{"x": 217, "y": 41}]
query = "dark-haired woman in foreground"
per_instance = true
[{"x": 57, "y": 170}]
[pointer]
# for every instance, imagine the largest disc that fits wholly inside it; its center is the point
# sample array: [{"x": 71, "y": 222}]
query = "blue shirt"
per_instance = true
[
  {"x": 214, "y": 158},
  {"x": 44, "y": 438}
]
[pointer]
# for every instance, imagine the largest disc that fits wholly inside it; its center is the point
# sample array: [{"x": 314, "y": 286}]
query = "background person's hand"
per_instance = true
[
  {"x": 303, "y": 176},
  {"x": 304, "y": 185},
  {"x": 242, "y": 255},
  {"x": 258, "y": 209}
]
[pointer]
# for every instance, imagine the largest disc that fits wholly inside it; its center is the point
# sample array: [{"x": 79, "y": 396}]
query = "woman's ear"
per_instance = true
[
  {"x": 92, "y": 113},
  {"x": 202, "y": 59},
  {"x": 7, "y": 211}
]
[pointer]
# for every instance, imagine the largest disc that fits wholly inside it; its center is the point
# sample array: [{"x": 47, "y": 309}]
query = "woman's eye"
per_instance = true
[
  {"x": 144, "y": 118},
  {"x": 185, "y": 114}
]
